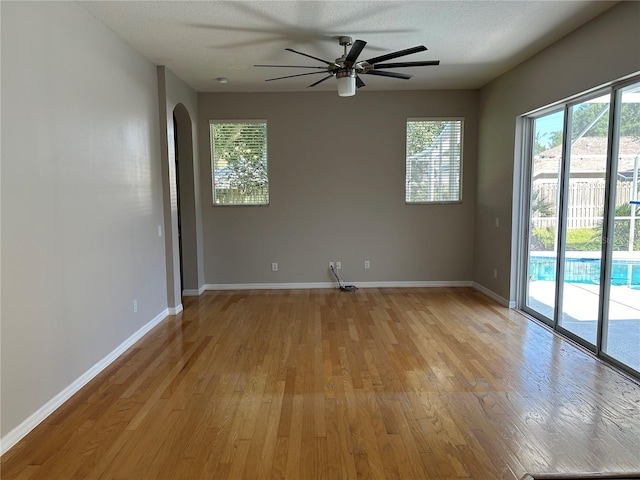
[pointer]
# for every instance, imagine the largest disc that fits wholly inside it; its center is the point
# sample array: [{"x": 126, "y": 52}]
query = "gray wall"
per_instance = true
[
  {"x": 81, "y": 200},
  {"x": 82, "y": 180},
  {"x": 182, "y": 101},
  {"x": 336, "y": 171},
  {"x": 177, "y": 99},
  {"x": 603, "y": 50}
]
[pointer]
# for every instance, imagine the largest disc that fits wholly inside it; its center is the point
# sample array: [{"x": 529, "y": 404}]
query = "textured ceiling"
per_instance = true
[{"x": 475, "y": 41}]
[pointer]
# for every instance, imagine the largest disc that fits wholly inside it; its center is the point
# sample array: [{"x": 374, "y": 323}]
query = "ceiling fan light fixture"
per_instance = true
[{"x": 346, "y": 82}]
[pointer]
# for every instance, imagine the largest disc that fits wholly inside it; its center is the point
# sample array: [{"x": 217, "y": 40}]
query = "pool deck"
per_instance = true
[
  {"x": 581, "y": 300},
  {"x": 580, "y": 314}
]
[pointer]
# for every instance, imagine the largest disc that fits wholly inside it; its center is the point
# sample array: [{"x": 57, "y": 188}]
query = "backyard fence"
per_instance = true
[{"x": 585, "y": 202}]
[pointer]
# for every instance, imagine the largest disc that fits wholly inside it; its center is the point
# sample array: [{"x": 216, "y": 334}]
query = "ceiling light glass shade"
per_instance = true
[{"x": 347, "y": 86}]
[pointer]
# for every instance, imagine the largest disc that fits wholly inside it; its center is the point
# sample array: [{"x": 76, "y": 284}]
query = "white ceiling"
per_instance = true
[{"x": 475, "y": 41}]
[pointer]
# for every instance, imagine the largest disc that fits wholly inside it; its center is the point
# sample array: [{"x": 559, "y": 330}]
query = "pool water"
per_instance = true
[{"x": 586, "y": 270}]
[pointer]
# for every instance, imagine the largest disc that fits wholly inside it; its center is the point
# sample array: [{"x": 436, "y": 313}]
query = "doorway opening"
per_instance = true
[{"x": 186, "y": 192}]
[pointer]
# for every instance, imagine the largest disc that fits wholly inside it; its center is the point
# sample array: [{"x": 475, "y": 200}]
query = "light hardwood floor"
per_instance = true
[{"x": 322, "y": 384}]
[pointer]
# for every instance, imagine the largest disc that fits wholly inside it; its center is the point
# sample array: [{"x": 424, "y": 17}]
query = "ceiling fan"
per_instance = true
[{"x": 347, "y": 68}]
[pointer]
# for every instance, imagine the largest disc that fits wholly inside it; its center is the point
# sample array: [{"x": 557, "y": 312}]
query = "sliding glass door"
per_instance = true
[
  {"x": 621, "y": 329},
  {"x": 544, "y": 214},
  {"x": 583, "y": 212},
  {"x": 582, "y": 269}
]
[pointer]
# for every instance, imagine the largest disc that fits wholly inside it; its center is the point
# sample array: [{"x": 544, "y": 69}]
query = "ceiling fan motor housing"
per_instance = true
[{"x": 345, "y": 72}]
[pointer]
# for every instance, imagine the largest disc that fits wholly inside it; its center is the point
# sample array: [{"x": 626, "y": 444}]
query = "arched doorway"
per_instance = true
[{"x": 186, "y": 188}]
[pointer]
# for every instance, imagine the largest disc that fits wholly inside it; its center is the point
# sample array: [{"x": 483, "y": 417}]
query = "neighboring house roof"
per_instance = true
[{"x": 587, "y": 156}]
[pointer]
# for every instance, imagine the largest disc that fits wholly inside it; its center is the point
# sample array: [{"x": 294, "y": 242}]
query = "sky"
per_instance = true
[{"x": 548, "y": 124}]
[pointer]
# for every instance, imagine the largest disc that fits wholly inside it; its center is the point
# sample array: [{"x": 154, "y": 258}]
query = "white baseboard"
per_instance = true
[
  {"x": 19, "y": 432},
  {"x": 267, "y": 286},
  {"x": 405, "y": 284},
  {"x": 411, "y": 284},
  {"x": 303, "y": 286},
  {"x": 494, "y": 296},
  {"x": 194, "y": 292},
  {"x": 175, "y": 311}
]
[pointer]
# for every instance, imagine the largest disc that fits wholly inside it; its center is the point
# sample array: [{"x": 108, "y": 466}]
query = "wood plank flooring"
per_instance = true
[{"x": 323, "y": 384}]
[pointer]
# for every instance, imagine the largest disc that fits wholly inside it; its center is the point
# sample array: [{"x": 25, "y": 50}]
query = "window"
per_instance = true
[
  {"x": 239, "y": 163},
  {"x": 580, "y": 206},
  {"x": 434, "y": 161}
]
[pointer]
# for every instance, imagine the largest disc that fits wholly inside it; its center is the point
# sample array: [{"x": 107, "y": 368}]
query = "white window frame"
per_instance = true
[{"x": 435, "y": 197}]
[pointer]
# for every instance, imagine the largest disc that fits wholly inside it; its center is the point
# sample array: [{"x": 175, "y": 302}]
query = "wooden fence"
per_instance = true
[{"x": 586, "y": 201}]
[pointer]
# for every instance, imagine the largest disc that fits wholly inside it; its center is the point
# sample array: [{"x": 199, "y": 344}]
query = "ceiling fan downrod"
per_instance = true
[{"x": 346, "y": 42}]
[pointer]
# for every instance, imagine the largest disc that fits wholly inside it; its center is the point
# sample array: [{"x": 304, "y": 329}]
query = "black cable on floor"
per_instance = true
[{"x": 342, "y": 286}]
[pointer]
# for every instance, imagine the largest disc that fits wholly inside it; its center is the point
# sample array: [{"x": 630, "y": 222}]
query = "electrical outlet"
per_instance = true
[
  {"x": 367, "y": 264},
  {"x": 495, "y": 273},
  {"x": 135, "y": 306},
  {"x": 331, "y": 264},
  {"x": 497, "y": 222},
  {"x": 338, "y": 265},
  {"x": 274, "y": 267}
]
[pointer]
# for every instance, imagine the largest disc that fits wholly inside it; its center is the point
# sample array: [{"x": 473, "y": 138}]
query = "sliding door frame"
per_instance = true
[{"x": 525, "y": 131}]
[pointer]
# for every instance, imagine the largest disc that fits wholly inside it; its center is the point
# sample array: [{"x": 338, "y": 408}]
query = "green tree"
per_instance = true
[
  {"x": 630, "y": 120},
  {"x": 541, "y": 143},
  {"x": 432, "y": 174},
  {"x": 240, "y": 158},
  {"x": 584, "y": 114},
  {"x": 541, "y": 207},
  {"x": 421, "y": 135},
  {"x": 555, "y": 139},
  {"x": 541, "y": 238},
  {"x": 621, "y": 229}
]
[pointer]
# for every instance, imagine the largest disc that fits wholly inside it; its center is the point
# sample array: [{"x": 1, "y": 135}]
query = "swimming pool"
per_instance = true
[{"x": 585, "y": 270}]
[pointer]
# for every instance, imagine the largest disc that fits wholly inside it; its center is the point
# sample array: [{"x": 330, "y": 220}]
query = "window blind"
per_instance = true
[
  {"x": 239, "y": 163},
  {"x": 434, "y": 161}
]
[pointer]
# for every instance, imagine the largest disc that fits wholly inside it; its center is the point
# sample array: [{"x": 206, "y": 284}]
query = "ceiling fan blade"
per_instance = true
[
  {"x": 382, "y": 73},
  {"x": 290, "y": 66},
  {"x": 352, "y": 56},
  {"x": 291, "y": 76},
  {"x": 310, "y": 56},
  {"x": 407, "y": 64},
  {"x": 400, "y": 53},
  {"x": 320, "y": 81},
  {"x": 359, "y": 82}
]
